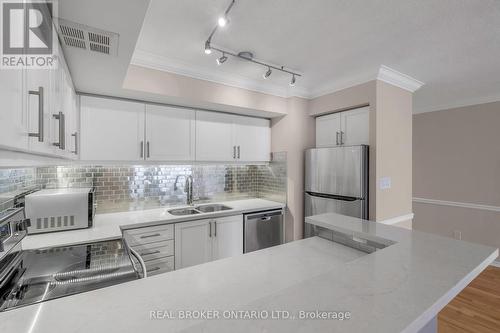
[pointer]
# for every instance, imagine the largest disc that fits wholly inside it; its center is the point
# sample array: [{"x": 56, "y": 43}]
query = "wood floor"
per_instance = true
[{"x": 477, "y": 308}]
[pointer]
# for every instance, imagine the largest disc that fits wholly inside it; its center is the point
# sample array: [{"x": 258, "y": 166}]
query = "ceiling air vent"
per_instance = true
[{"x": 87, "y": 38}]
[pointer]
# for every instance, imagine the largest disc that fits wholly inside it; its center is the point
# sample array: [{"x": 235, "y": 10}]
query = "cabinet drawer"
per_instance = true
[
  {"x": 149, "y": 236},
  {"x": 163, "y": 227},
  {"x": 158, "y": 266},
  {"x": 155, "y": 250}
]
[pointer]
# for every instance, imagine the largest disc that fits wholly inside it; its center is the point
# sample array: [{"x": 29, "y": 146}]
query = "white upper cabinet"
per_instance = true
[
  {"x": 355, "y": 126},
  {"x": 170, "y": 133},
  {"x": 13, "y": 116},
  {"x": 111, "y": 130},
  {"x": 193, "y": 243},
  {"x": 226, "y": 137},
  {"x": 214, "y": 136},
  {"x": 343, "y": 128},
  {"x": 228, "y": 237},
  {"x": 252, "y": 138},
  {"x": 328, "y": 130}
]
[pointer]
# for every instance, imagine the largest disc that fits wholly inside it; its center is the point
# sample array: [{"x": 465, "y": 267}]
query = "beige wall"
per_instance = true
[
  {"x": 393, "y": 131},
  {"x": 201, "y": 93},
  {"x": 456, "y": 157},
  {"x": 294, "y": 133}
]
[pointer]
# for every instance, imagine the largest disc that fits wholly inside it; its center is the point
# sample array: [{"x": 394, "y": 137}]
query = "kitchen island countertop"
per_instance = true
[{"x": 397, "y": 289}]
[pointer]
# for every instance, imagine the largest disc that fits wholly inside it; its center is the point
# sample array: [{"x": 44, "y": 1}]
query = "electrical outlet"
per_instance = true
[
  {"x": 385, "y": 183},
  {"x": 457, "y": 234}
]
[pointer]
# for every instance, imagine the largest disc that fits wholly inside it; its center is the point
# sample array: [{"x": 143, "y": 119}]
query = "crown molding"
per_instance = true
[
  {"x": 154, "y": 61},
  {"x": 403, "y": 81},
  {"x": 456, "y": 105}
]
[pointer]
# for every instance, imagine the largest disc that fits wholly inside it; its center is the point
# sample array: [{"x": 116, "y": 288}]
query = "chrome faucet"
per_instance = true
[{"x": 188, "y": 188}]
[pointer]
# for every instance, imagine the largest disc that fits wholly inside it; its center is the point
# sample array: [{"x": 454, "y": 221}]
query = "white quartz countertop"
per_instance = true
[
  {"x": 397, "y": 289},
  {"x": 109, "y": 226}
]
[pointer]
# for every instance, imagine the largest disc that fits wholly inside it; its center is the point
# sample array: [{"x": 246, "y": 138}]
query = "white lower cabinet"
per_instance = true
[
  {"x": 155, "y": 245},
  {"x": 205, "y": 240}
]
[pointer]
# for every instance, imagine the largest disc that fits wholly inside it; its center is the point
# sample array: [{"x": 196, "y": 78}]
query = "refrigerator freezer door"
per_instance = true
[
  {"x": 315, "y": 205},
  {"x": 337, "y": 171}
]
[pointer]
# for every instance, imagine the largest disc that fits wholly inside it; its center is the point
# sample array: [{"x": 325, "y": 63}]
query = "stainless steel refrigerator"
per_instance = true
[{"x": 336, "y": 180}]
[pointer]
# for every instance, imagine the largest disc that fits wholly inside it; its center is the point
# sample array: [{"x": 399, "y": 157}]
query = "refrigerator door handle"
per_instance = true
[{"x": 333, "y": 196}]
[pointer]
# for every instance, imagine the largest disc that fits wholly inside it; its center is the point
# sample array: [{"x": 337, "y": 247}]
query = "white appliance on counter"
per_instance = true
[{"x": 60, "y": 209}]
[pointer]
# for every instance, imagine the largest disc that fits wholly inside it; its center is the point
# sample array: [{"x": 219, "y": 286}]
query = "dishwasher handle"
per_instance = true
[{"x": 264, "y": 216}]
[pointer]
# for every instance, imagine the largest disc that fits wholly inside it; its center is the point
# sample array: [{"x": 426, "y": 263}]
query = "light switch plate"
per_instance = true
[{"x": 385, "y": 183}]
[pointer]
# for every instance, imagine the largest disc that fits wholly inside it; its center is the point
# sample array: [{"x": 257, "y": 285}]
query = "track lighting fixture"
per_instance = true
[
  {"x": 208, "y": 49},
  {"x": 267, "y": 73},
  {"x": 222, "y": 21},
  {"x": 222, "y": 59},
  {"x": 246, "y": 56}
]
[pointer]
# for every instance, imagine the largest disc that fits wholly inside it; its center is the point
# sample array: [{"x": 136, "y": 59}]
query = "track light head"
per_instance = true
[
  {"x": 222, "y": 59},
  {"x": 267, "y": 73},
  {"x": 292, "y": 82},
  {"x": 222, "y": 21},
  {"x": 208, "y": 49}
]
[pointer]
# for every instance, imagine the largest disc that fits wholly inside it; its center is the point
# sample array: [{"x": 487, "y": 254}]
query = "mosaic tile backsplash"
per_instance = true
[{"x": 136, "y": 187}]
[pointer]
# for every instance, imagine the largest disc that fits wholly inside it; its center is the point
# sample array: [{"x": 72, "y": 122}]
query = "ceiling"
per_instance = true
[{"x": 453, "y": 46}]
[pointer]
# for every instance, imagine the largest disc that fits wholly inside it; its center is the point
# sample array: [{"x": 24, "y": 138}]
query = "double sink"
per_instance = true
[{"x": 208, "y": 208}]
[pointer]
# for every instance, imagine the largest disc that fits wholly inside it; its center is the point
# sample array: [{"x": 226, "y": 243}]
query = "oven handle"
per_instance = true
[{"x": 143, "y": 265}]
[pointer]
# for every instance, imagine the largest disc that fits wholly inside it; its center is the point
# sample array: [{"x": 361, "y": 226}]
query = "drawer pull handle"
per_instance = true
[
  {"x": 148, "y": 236},
  {"x": 154, "y": 269},
  {"x": 149, "y": 253}
]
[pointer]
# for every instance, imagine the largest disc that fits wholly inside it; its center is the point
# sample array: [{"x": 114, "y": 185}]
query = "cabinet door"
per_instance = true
[
  {"x": 214, "y": 136},
  {"x": 355, "y": 126},
  {"x": 228, "y": 237},
  {"x": 193, "y": 243},
  {"x": 111, "y": 130},
  {"x": 252, "y": 136},
  {"x": 170, "y": 133},
  {"x": 328, "y": 130},
  {"x": 13, "y": 118}
]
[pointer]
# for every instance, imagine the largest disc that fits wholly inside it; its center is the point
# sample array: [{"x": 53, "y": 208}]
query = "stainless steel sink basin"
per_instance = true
[
  {"x": 183, "y": 211},
  {"x": 210, "y": 208}
]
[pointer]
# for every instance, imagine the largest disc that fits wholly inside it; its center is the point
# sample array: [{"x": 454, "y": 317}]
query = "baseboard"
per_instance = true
[
  {"x": 398, "y": 219},
  {"x": 495, "y": 264}
]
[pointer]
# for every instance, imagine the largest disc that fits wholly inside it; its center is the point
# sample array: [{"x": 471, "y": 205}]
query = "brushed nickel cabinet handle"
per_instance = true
[
  {"x": 337, "y": 138},
  {"x": 147, "y": 150},
  {"x": 234, "y": 152},
  {"x": 39, "y": 93},
  {"x": 75, "y": 135},
  {"x": 215, "y": 233},
  {"x": 342, "y": 137},
  {"x": 148, "y": 236},
  {"x": 210, "y": 229},
  {"x": 62, "y": 129},
  {"x": 238, "y": 152},
  {"x": 142, "y": 149},
  {"x": 154, "y": 269},
  {"x": 149, "y": 253}
]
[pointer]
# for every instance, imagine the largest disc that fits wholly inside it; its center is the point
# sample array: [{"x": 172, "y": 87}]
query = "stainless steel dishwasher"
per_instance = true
[{"x": 262, "y": 230}]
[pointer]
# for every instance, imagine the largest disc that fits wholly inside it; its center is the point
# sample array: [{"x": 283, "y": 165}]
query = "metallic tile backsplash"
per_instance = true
[{"x": 136, "y": 187}]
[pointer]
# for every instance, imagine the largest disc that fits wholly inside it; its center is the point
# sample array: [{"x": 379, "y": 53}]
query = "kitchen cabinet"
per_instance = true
[
  {"x": 214, "y": 136},
  {"x": 155, "y": 245},
  {"x": 13, "y": 117},
  {"x": 111, "y": 129},
  {"x": 193, "y": 243},
  {"x": 227, "y": 237},
  {"x": 170, "y": 133},
  {"x": 252, "y": 138},
  {"x": 225, "y": 137},
  {"x": 343, "y": 128},
  {"x": 205, "y": 240}
]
